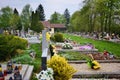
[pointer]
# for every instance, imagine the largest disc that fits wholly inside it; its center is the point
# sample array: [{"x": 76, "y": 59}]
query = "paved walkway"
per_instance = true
[{"x": 33, "y": 40}]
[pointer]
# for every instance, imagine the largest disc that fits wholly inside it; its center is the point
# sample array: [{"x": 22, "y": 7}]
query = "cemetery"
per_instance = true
[
  {"x": 81, "y": 45},
  {"x": 78, "y": 55}
]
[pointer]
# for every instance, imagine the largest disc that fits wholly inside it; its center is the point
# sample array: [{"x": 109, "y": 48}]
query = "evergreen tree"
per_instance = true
[
  {"x": 67, "y": 17},
  {"x": 16, "y": 12},
  {"x": 40, "y": 11},
  {"x": 36, "y": 25}
]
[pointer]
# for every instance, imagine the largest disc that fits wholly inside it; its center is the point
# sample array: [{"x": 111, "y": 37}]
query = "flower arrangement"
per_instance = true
[
  {"x": 45, "y": 74},
  {"x": 62, "y": 70},
  {"x": 93, "y": 64},
  {"x": 67, "y": 46}
]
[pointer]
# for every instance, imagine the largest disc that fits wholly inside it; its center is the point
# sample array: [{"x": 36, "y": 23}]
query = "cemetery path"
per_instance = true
[{"x": 33, "y": 40}]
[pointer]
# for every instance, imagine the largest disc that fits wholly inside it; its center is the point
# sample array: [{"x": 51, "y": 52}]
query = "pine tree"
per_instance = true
[
  {"x": 40, "y": 11},
  {"x": 16, "y": 12},
  {"x": 67, "y": 17},
  {"x": 36, "y": 25}
]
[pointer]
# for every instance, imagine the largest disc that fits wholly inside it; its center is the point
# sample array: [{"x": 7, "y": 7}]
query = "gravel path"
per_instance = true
[{"x": 105, "y": 68}]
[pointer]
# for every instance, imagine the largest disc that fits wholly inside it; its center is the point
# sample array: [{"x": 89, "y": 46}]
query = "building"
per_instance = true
[{"x": 53, "y": 27}]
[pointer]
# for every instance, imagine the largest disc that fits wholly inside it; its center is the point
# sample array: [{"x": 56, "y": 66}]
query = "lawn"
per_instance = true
[
  {"x": 71, "y": 55},
  {"x": 99, "y": 44},
  {"x": 25, "y": 58}
]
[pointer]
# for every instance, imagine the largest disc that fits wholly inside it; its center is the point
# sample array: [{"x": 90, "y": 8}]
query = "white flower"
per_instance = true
[{"x": 45, "y": 74}]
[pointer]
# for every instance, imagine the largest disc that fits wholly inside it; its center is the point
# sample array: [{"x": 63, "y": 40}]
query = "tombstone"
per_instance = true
[{"x": 22, "y": 32}]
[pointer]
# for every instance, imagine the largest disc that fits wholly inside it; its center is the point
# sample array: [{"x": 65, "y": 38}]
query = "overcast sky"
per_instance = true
[{"x": 50, "y": 6}]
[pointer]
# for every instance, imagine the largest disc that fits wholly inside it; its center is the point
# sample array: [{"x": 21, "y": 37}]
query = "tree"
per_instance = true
[
  {"x": 26, "y": 16},
  {"x": 67, "y": 17},
  {"x": 16, "y": 12},
  {"x": 57, "y": 18},
  {"x": 54, "y": 18},
  {"x": 15, "y": 20},
  {"x": 36, "y": 25},
  {"x": 40, "y": 11},
  {"x": 5, "y": 16}
]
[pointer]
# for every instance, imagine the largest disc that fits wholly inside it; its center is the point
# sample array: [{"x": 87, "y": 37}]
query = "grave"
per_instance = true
[
  {"x": 26, "y": 71},
  {"x": 109, "y": 69},
  {"x": 76, "y": 47}
]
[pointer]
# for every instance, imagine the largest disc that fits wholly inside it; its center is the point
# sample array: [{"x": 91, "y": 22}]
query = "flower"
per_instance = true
[
  {"x": 93, "y": 63},
  {"x": 45, "y": 74},
  {"x": 48, "y": 36}
]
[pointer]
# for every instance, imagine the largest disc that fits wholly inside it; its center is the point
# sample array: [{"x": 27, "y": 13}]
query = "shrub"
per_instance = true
[
  {"x": 62, "y": 70},
  {"x": 59, "y": 37},
  {"x": 9, "y": 44},
  {"x": 52, "y": 38}
]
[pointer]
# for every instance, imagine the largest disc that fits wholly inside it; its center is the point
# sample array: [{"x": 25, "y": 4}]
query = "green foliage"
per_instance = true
[
  {"x": 9, "y": 44},
  {"x": 36, "y": 25},
  {"x": 14, "y": 21},
  {"x": 70, "y": 55},
  {"x": 100, "y": 45},
  {"x": 23, "y": 59},
  {"x": 40, "y": 11},
  {"x": 52, "y": 38},
  {"x": 96, "y": 15},
  {"x": 26, "y": 59},
  {"x": 25, "y": 16},
  {"x": 57, "y": 18},
  {"x": 67, "y": 17},
  {"x": 62, "y": 70},
  {"x": 5, "y": 16},
  {"x": 59, "y": 37},
  {"x": 38, "y": 49}
]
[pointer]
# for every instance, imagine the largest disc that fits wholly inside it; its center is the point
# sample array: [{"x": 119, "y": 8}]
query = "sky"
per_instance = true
[{"x": 50, "y": 6}]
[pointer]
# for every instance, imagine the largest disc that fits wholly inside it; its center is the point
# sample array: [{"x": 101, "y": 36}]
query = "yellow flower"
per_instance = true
[
  {"x": 96, "y": 64},
  {"x": 0, "y": 69},
  {"x": 53, "y": 46},
  {"x": 47, "y": 36}
]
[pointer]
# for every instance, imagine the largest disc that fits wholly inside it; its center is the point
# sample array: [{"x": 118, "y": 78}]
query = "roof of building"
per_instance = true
[
  {"x": 57, "y": 26},
  {"x": 47, "y": 24}
]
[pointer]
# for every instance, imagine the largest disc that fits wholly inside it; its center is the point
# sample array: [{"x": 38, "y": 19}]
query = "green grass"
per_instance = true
[
  {"x": 99, "y": 44},
  {"x": 73, "y": 55},
  {"x": 24, "y": 58}
]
